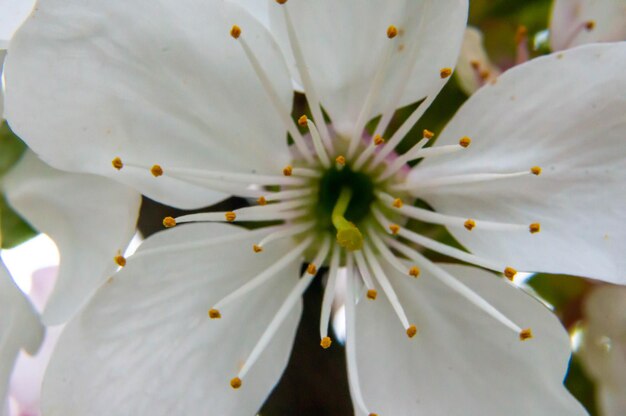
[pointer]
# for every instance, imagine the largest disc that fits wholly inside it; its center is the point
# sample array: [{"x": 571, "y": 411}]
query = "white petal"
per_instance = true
[
  {"x": 146, "y": 346},
  {"x": 343, "y": 43},
  {"x": 12, "y": 15},
  {"x": 151, "y": 83},
  {"x": 89, "y": 217},
  {"x": 257, "y": 8},
  {"x": 20, "y": 328},
  {"x": 462, "y": 361},
  {"x": 473, "y": 52},
  {"x": 570, "y": 16},
  {"x": 564, "y": 113}
]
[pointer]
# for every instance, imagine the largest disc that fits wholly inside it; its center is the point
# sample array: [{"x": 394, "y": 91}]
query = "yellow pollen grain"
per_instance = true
[
  {"x": 235, "y": 383},
  {"x": 120, "y": 260},
  {"x": 394, "y": 228},
  {"x": 521, "y": 34},
  {"x": 535, "y": 170},
  {"x": 445, "y": 72},
  {"x": 411, "y": 331},
  {"x": 261, "y": 201},
  {"x": 534, "y": 228},
  {"x": 169, "y": 222},
  {"x": 281, "y": 1},
  {"x": 371, "y": 294},
  {"x": 257, "y": 249},
  {"x": 414, "y": 271},
  {"x": 156, "y": 171},
  {"x": 465, "y": 142},
  {"x": 469, "y": 224},
  {"x": 230, "y": 216},
  {"x": 392, "y": 32},
  {"x": 214, "y": 314},
  {"x": 235, "y": 31},
  {"x": 378, "y": 140},
  {"x": 475, "y": 64},
  {"x": 288, "y": 170},
  {"x": 117, "y": 163},
  {"x": 427, "y": 134},
  {"x": 510, "y": 273},
  {"x": 311, "y": 269},
  {"x": 484, "y": 74},
  {"x": 525, "y": 334},
  {"x": 590, "y": 25},
  {"x": 302, "y": 121},
  {"x": 341, "y": 160},
  {"x": 325, "y": 342},
  {"x": 397, "y": 203}
]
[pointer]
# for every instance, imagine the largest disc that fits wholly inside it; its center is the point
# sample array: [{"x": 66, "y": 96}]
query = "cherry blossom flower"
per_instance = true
[{"x": 190, "y": 102}]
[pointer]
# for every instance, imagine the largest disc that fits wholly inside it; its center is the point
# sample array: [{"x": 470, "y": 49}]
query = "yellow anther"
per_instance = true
[
  {"x": 484, "y": 74},
  {"x": 230, "y": 216},
  {"x": 475, "y": 64},
  {"x": 311, "y": 269},
  {"x": 156, "y": 171},
  {"x": 411, "y": 331},
  {"x": 235, "y": 383},
  {"x": 397, "y": 203},
  {"x": 378, "y": 140},
  {"x": 521, "y": 34},
  {"x": 465, "y": 141},
  {"x": 392, "y": 32},
  {"x": 414, "y": 271},
  {"x": 510, "y": 273},
  {"x": 373, "y": 414},
  {"x": 535, "y": 170},
  {"x": 445, "y": 72},
  {"x": 261, "y": 201},
  {"x": 341, "y": 160},
  {"x": 117, "y": 163},
  {"x": 169, "y": 222},
  {"x": 214, "y": 314},
  {"x": 394, "y": 228},
  {"x": 287, "y": 170},
  {"x": 590, "y": 25},
  {"x": 325, "y": 342},
  {"x": 257, "y": 249},
  {"x": 469, "y": 224},
  {"x": 535, "y": 227},
  {"x": 371, "y": 294},
  {"x": 281, "y": 1},
  {"x": 525, "y": 334},
  {"x": 302, "y": 121},
  {"x": 428, "y": 134},
  {"x": 235, "y": 31},
  {"x": 120, "y": 260}
]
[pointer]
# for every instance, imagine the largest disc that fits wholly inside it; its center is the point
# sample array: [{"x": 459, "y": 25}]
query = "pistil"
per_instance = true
[{"x": 348, "y": 235}]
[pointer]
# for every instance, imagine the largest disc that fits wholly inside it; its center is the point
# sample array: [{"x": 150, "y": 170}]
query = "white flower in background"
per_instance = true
[
  {"x": 192, "y": 103},
  {"x": 576, "y": 22},
  {"x": 90, "y": 218},
  {"x": 474, "y": 68},
  {"x": 603, "y": 350}
]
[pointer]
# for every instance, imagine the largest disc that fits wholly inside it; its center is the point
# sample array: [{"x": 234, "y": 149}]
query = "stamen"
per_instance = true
[
  {"x": 120, "y": 260},
  {"x": 369, "y": 151},
  {"x": 340, "y": 160},
  {"x": 326, "y": 342},
  {"x": 235, "y": 31},
  {"x": 381, "y": 277},
  {"x": 534, "y": 228},
  {"x": 117, "y": 163},
  {"x": 402, "y": 160},
  {"x": 230, "y": 216},
  {"x": 169, "y": 222},
  {"x": 288, "y": 170},
  {"x": 348, "y": 235},
  {"x": 366, "y": 276},
  {"x": 432, "y": 217},
  {"x": 525, "y": 334},
  {"x": 257, "y": 215},
  {"x": 156, "y": 171},
  {"x": 265, "y": 275},
  {"x": 510, "y": 273},
  {"x": 284, "y": 311},
  {"x": 309, "y": 173},
  {"x": 311, "y": 269},
  {"x": 453, "y": 283},
  {"x": 353, "y": 374},
  {"x": 465, "y": 142},
  {"x": 392, "y": 32},
  {"x": 281, "y": 110},
  {"x": 394, "y": 228},
  {"x": 214, "y": 314},
  {"x": 389, "y": 256},
  {"x": 371, "y": 97},
  {"x": 289, "y": 194},
  {"x": 436, "y": 246},
  {"x": 284, "y": 231},
  {"x": 307, "y": 81},
  {"x": 235, "y": 383},
  {"x": 317, "y": 142},
  {"x": 411, "y": 331},
  {"x": 427, "y": 184},
  {"x": 445, "y": 72},
  {"x": 329, "y": 292},
  {"x": 427, "y": 134},
  {"x": 536, "y": 170}
]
